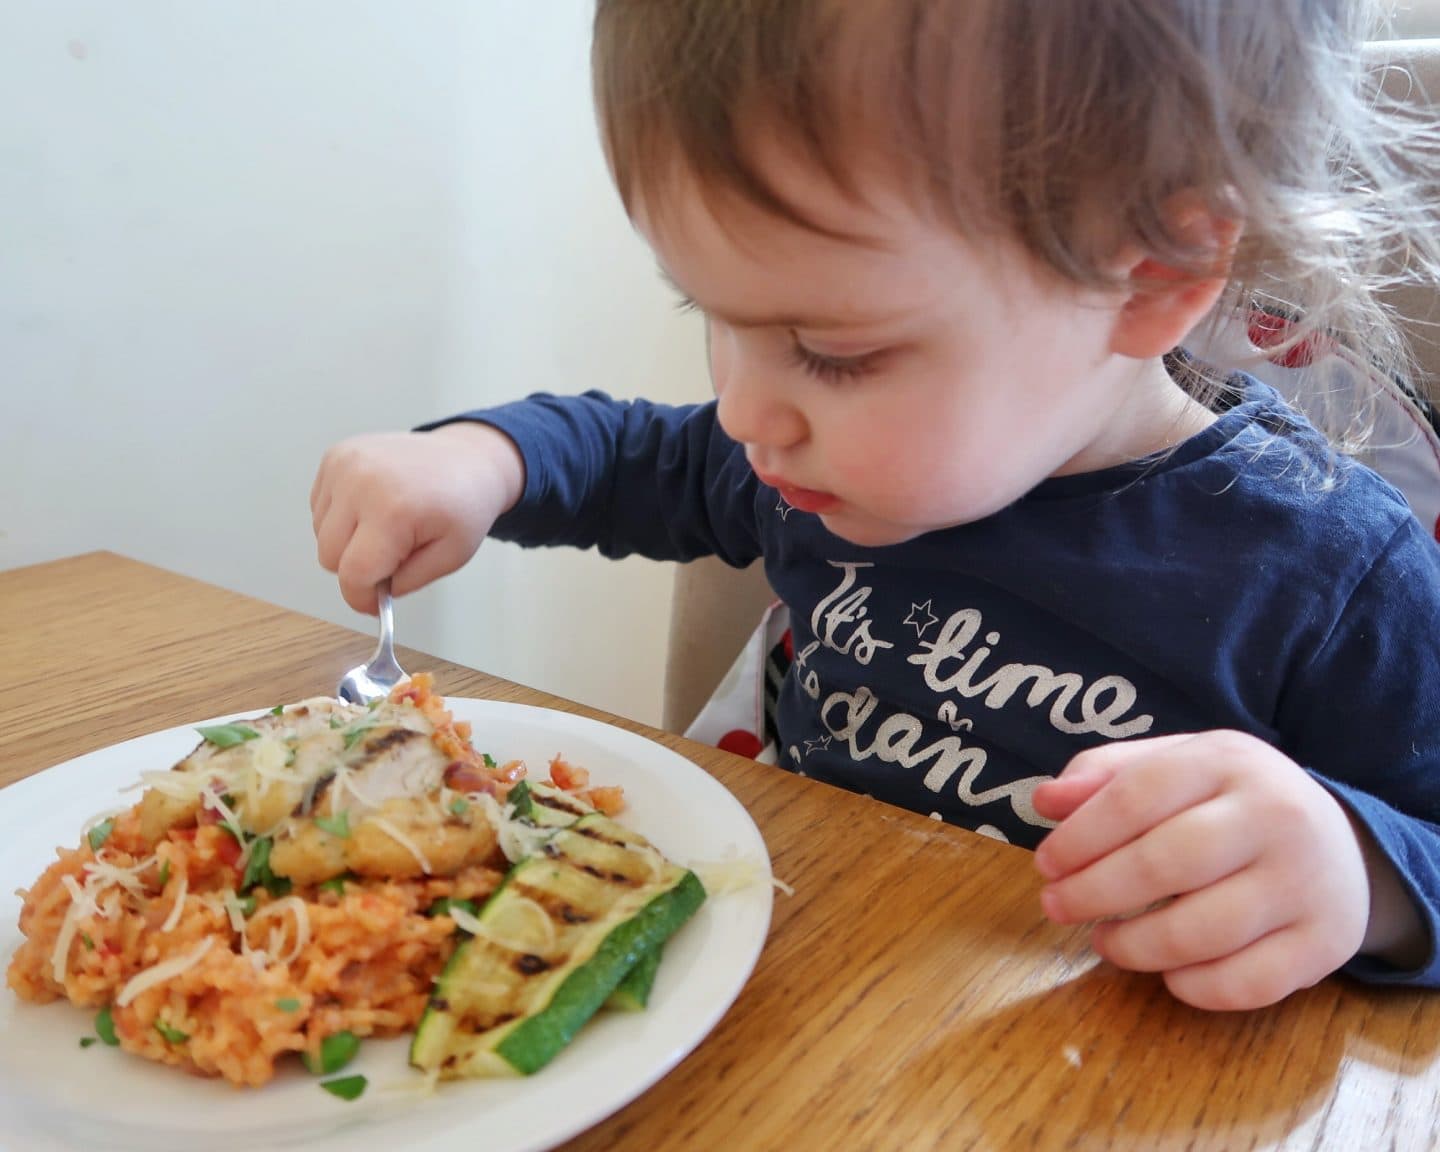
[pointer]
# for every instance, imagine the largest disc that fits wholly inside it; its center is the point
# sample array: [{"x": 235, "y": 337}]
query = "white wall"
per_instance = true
[
  {"x": 1415, "y": 17},
  {"x": 233, "y": 233}
]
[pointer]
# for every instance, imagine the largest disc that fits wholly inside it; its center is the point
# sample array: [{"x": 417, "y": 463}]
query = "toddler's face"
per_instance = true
[{"x": 903, "y": 379}]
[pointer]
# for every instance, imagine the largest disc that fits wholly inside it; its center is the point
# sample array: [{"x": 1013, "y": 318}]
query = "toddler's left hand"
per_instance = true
[{"x": 1269, "y": 884}]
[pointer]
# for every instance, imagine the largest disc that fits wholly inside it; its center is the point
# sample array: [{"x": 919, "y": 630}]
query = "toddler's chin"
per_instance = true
[{"x": 867, "y": 533}]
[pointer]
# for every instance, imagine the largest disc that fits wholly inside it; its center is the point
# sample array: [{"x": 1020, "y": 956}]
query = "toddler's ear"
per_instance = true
[{"x": 1165, "y": 302}]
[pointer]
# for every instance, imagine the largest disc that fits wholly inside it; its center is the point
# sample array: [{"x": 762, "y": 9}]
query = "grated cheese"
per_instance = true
[
  {"x": 466, "y": 920},
  {"x": 69, "y": 927},
  {"x": 143, "y": 981},
  {"x": 81, "y": 899},
  {"x": 103, "y": 874},
  {"x": 267, "y": 770},
  {"x": 183, "y": 785},
  {"x": 174, "y": 917},
  {"x": 212, "y": 799},
  {"x": 101, "y": 877},
  {"x": 721, "y": 877},
  {"x": 233, "y": 910},
  {"x": 344, "y": 781},
  {"x": 296, "y": 907},
  {"x": 517, "y": 839},
  {"x": 404, "y": 841},
  {"x": 422, "y": 1084}
]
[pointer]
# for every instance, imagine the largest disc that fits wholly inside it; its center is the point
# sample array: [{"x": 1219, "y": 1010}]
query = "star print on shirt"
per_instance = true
[
  {"x": 819, "y": 745},
  {"x": 921, "y": 619},
  {"x": 784, "y": 509}
]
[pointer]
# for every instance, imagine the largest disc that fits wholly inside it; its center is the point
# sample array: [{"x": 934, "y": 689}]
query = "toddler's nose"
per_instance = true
[{"x": 756, "y": 411}]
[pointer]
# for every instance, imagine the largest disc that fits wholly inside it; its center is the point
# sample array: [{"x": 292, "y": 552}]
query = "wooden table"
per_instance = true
[{"x": 911, "y": 996}]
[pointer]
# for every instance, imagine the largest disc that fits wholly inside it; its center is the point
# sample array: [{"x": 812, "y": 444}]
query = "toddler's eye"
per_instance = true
[
  {"x": 832, "y": 369},
  {"x": 685, "y": 304}
]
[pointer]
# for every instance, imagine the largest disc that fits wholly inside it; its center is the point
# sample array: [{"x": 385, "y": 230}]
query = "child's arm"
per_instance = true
[
  {"x": 625, "y": 477},
  {"x": 1269, "y": 875},
  {"x": 628, "y": 477}
]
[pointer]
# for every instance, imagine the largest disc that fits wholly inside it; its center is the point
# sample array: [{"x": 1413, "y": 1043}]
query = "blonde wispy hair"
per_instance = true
[{"x": 1070, "y": 125}]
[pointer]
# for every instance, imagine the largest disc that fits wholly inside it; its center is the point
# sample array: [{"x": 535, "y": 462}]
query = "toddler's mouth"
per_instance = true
[{"x": 805, "y": 499}]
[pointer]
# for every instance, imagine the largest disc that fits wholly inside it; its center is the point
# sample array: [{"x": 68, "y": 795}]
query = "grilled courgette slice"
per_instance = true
[
  {"x": 632, "y": 994},
  {"x": 545, "y": 805},
  {"x": 555, "y": 939}
]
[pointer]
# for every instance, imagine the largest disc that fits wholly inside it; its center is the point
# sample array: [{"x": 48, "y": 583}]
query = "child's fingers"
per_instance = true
[
  {"x": 1195, "y": 848},
  {"x": 1155, "y": 780},
  {"x": 321, "y": 500},
  {"x": 1206, "y": 924},
  {"x": 370, "y": 556},
  {"x": 1090, "y": 771},
  {"x": 319, "y": 493},
  {"x": 430, "y": 562},
  {"x": 332, "y": 537},
  {"x": 1267, "y": 971},
  {"x": 1056, "y": 799}
]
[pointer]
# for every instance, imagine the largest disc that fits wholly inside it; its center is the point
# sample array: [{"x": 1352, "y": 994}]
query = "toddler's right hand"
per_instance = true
[{"x": 413, "y": 506}]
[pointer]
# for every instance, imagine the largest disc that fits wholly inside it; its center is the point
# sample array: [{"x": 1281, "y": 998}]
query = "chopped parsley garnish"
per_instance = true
[
  {"x": 172, "y": 1035},
  {"x": 354, "y": 735},
  {"x": 336, "y": 1051},
  {"x": 489, "y": 760},
  {"x": 89, "y": 943},
  {"x": 370, "y": 707},
  {"x": 277, "y": 710},
  {"x": 86, "y": 1041},
  {"x": 257, "y": 870},
  {"x": 335, "y": 884},
  {"x": 521, "y": 799},
  {"x": 459, "y": 806},
  {"x": 228, "y": 735},
  {"x": 164, "y": 873},
  {"x": 442, "y": 907},
  {"x": 105, "y": 1027},
  {"x": 337, "y": 721},
  {"x": 99, "y": 834},
  {"x": 346, "y": 1087},
  {"x": 338, "y": 825},
  {"x": 289, "y": 1004}
]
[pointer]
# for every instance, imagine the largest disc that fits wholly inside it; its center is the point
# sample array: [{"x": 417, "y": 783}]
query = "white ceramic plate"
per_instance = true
[{"x": 56, "y": 1096}]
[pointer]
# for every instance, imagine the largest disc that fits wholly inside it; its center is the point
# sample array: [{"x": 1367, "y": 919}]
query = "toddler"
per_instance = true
[{"x": 1048, "y": 579}]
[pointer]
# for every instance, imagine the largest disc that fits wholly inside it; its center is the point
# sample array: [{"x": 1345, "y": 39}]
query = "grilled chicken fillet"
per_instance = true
[{"x": 336, "y": 787}]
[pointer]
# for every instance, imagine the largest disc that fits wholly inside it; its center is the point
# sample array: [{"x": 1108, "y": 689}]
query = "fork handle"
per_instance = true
[{"x": 385, "y": 649}]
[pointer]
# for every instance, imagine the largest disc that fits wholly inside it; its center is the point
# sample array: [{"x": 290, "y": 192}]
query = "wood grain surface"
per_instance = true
[{"x": 910, "y": 996}]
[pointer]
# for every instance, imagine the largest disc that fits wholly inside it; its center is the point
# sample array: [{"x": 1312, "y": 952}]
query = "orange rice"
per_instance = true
[{"x": 367, "y": 966}]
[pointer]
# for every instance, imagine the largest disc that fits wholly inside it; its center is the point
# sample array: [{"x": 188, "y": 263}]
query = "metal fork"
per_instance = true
[{"x": 374, "y": 679}]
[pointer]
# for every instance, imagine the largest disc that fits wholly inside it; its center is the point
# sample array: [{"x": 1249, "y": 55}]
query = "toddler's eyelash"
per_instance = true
[{"x": 832, "y": 369}]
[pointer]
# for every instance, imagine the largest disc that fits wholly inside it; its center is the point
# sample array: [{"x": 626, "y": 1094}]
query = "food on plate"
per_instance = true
[
  {"x": 302, "y": 878},
  {"x": 549, "y": 948}
]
